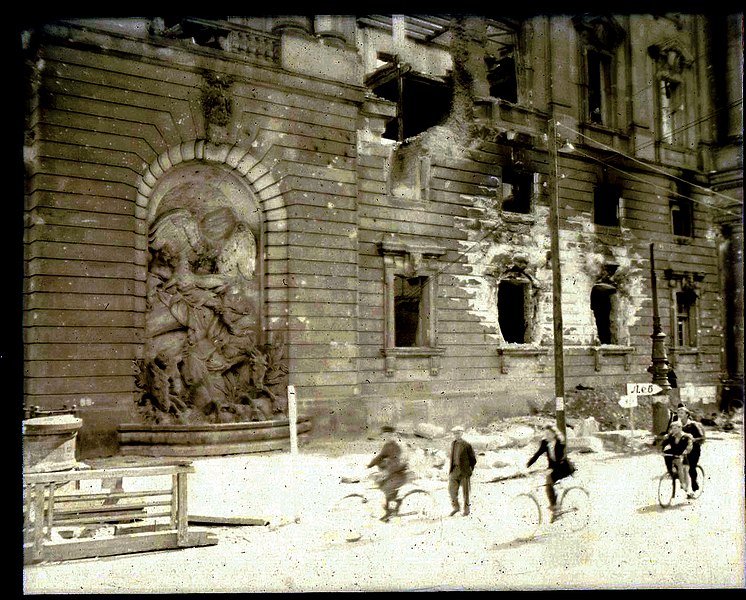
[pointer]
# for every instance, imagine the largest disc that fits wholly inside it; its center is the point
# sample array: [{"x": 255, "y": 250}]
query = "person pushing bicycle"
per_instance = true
[
  {"x": 394, "y": 470},
  {"x": 676, "y": 447}
]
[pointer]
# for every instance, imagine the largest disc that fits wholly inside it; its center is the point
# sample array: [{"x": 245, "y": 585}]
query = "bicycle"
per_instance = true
[
  {"x": 667, "y": 483},
  {"x": 572, "y": 510},
  {"x": 356, "y": 514}
]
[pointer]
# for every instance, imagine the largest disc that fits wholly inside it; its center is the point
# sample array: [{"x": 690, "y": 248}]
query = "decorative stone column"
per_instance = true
[{"x": 335, "y": 30}]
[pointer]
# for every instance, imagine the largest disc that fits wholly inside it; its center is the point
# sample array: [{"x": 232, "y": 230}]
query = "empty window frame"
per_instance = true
[
  {"x": 598, "y": 90},
  {"x": 501, "y": 76},
  {"x": 607, "y": 205},
  {"x": 514, "y": 310},
  {"x": 517, "y": 190},
  {"x": 681, "y": 218},
  {"x": 671, "y": 110},
  {"x": 603, "y": 304},
  {"x": 686, "y": 321},
  {"x": 411, "y": 311},
  {"x": 422, "y": 101}
]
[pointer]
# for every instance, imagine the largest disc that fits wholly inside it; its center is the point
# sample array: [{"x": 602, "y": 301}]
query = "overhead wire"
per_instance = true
[{"x": 651, "y": 167}]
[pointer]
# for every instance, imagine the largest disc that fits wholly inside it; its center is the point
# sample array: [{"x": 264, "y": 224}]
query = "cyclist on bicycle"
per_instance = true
[
  {"x": 553, "y": 445},
  {"x": 676, "y": 446},
  {"x": 394, "y": 471},
  {"x": 695, "y": 429}
]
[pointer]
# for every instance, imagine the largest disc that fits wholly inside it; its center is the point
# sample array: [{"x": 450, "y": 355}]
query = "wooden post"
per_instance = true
[
  {"x": 293, "y": 419},
  {"x": 181, "y": 530}
]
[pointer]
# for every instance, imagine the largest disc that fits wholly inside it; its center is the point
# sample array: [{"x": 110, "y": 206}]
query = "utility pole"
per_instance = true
[
  {"x": 659, "y": 369},
  {"x": 554, "y": 230}
]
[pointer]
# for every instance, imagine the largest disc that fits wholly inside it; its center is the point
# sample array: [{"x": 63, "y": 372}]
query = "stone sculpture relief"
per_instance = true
[{"x": 202, "y": 362}]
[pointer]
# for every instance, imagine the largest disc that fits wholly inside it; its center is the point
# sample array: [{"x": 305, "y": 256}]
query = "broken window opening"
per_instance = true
[
  {"x": 501, "y": 76},
  {"x": 410, "y": 318},
  {"x": 422, "y": 102},
  {"x": 671, "y": 111},
  {"x": 606, "y": 205},
  {"x": 518, "y": 187},
  {"x": 602, "y": 296},
  {"x": 599, "y": 86},
  {"x": 514, "y": 305},
  {"x": 685, "y": 328},
  {"x": 681, "y": 218}
]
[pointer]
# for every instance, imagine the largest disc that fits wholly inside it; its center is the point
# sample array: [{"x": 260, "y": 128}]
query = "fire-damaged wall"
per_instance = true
[{"x": 403, "y": 257}]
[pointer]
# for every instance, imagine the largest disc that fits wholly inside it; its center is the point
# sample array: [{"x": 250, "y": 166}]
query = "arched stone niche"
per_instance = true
[{"x": 204, "y": 359}]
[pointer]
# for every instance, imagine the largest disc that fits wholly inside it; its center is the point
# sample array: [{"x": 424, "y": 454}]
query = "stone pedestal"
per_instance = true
[{"x": 49, "y": 443}]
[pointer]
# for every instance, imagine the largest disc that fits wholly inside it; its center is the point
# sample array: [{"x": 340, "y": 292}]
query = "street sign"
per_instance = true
[
  {"x": 643, "y": 389},
  {"x": 628, "y": 401}
]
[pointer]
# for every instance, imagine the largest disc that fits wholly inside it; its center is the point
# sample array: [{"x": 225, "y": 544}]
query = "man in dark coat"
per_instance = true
[{"x": 463, "y": 460}]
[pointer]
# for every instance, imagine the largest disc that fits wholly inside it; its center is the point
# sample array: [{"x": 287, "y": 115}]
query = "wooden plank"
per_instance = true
[
  {"x": 137, "y": 542},
  {"x": 227, "y": 520},
  {"x": 109, "y": 473}
]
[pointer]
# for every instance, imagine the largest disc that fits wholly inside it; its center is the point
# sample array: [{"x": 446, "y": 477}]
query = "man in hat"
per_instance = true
[
  {"x": 695, "y": 429},
  {"x": 463, "y": 460},
  {"x": 394, "y": 471}
]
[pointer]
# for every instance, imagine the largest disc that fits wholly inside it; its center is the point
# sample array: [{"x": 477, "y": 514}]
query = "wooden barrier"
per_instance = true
[{"x": 63, "y": 521}]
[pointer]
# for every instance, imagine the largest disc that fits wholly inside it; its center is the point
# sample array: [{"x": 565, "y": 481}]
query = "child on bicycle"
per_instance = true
[
  {"x": 553, "y": 445},
  {"x": 394, "y": 471},
  {"x": 676, "y": 446}
]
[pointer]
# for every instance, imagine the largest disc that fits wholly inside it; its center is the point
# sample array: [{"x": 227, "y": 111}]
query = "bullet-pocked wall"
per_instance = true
[{"x": 402, "y": 254}]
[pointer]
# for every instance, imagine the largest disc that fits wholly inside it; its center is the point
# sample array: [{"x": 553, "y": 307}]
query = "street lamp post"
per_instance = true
[
  {"x": 554, "y": 229},
  {"x": 659, "y": 369}
]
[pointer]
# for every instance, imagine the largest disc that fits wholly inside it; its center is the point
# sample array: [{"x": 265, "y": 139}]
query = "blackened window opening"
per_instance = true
[
  {"x": 601, "y": 306},
  {"x": 606, "y": 205},
  {"x": 422, "y": 102},
  {"x": 682, "y": 211},
  {"x": 521, "y": 183},
  {"x": 599, "y": 83},
  {"x": 684, "y": 320},
  {"x": 408, "y": 293},
  {"x": 501, "y": 76},
  {"x": 512, "y": 307}
]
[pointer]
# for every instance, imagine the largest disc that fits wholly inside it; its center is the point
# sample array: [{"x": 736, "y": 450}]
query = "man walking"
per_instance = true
[{"x": 459, "y": 474}]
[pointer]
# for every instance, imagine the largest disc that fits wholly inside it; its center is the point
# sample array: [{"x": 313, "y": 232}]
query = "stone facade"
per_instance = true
[{"x": 402, "y": 253}]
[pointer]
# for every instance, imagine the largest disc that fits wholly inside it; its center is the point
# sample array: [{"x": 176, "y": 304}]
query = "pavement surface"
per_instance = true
[{"x": 294, "y": 551}]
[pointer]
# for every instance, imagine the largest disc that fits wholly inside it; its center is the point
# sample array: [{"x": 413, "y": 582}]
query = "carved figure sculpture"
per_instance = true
[{"x": 201, "y": 360}]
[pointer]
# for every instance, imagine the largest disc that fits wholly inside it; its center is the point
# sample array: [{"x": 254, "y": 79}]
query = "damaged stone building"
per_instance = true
[{"x": 381, "y": 188}]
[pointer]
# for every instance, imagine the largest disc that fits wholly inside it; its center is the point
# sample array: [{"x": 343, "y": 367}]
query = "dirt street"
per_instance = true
[{"x": 630, "y": 541}]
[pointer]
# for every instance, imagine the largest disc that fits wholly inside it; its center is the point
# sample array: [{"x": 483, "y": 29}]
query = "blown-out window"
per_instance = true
[
  {"x": 686, "y": 331},
  {"x": 411, "y": 311},
  {"x": 517, "y": 190},
  {"x": 514, "y": 310},
  {"x": 602, "y": 305},
  {"x": 607, "y": 205},
  {"x": 599, "y": 95}
]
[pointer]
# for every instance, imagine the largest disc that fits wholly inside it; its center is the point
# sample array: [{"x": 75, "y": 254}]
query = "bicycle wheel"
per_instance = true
[
  {"x": 349, "y": 517},
  {"x": 700, "y": 482},
  {"x": 526, "y": 516},
  {"x": 417, "y": 511},
  {"x": 666, "y": 489},
  {"x": 574, "y": 509}
]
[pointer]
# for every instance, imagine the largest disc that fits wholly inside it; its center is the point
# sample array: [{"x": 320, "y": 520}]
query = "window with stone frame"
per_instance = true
[
  {"x": 686, "y": 322},
  {"x": 672, "y": 69},
  {"x": 600, "y": 39},
  {"x": 671, "y": 111},
  {"x": 410, "y": 273},
  {"x": 684, "y": 303},
  {"x": 598, "y": 89},
  {"x": 412, "y": 307}
]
